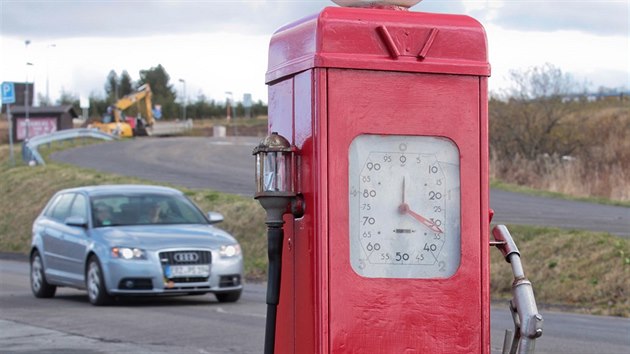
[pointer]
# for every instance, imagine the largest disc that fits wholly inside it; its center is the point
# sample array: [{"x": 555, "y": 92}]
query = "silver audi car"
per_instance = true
[{"x": 119, "y": 240}]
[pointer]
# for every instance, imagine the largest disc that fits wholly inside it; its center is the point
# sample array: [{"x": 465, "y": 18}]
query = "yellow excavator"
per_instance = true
[{"x": 113, "y": 122}]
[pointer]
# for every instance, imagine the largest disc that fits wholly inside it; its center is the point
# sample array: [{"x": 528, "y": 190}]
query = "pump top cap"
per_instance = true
[{"x": 376, "y": 3}]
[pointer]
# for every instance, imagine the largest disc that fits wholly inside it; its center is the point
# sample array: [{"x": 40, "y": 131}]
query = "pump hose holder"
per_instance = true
[{"x": 528, "y": 323}]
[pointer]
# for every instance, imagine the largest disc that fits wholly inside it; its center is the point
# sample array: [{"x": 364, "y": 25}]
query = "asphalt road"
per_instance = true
[
  {"x": 227, "y": 164},
  {"x": 68, "y": 323}
]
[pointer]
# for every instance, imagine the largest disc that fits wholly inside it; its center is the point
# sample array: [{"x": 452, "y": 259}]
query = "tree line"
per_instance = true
[
  {"x": 546, "y": 130},
  {"x": 540, "y": 115},
  {"x": 164, "y": 94}
]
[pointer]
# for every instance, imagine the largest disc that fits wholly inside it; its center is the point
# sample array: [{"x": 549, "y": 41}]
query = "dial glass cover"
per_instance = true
[{"x": 404, "y": 212}]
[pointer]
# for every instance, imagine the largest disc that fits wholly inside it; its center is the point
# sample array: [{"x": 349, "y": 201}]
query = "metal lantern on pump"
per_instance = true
[
  {"x": 275, "y": 190},
  {"x": 275, "y": 176},
  {"x": 274, "y": 172}
]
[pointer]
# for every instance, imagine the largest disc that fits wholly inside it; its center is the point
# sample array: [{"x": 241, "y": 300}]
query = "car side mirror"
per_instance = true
[
  {"x": 76, "y": 221},
  {"x": 215, "y": 217}
]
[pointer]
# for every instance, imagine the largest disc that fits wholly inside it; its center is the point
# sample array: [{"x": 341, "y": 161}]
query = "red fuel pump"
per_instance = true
[{"x": 382, "y": 176}]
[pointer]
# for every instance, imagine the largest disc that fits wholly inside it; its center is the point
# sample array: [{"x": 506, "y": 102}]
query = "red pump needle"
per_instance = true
[{"x": 404, "y": 209}]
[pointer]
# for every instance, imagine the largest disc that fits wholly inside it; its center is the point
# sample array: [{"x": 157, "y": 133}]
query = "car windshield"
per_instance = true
[{"x": 144, "y": 209}]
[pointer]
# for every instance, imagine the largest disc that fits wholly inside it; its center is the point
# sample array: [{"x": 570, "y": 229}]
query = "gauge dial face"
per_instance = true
[{"x": 404, "y": 212}]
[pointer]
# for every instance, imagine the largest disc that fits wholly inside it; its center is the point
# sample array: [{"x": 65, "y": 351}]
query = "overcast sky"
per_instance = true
[{"x": 218, "y": 45}]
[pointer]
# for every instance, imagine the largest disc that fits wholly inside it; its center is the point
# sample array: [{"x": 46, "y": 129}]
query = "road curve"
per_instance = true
[{"x": 226, "y": 164}]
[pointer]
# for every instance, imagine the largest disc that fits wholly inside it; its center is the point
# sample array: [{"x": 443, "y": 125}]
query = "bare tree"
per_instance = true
[{"x": 533, "y": 119}]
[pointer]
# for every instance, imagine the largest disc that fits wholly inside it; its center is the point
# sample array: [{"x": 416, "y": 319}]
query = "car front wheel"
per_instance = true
[
  {"x": 231, "y": 296},
  {"x": 39, "y": 285},
  {"x": 95, "y": 285}
]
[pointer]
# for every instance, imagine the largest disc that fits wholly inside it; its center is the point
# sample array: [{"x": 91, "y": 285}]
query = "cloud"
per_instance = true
[
  {"x": 38, "y": 19},
  {"x": 600, "y": 17},
  {"x": 441, "y": 6},
  {"x": 73, "y": 18}
]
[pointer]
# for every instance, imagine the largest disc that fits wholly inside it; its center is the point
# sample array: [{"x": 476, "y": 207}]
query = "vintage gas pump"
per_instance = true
[{"x": 375, "y": 181}]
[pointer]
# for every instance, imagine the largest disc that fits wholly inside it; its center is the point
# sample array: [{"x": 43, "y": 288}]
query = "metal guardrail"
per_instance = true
[{"x": 31, "y": 155}]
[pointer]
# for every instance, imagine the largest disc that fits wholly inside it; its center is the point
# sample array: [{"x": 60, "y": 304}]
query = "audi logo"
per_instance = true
[{"x": 186, "y": 257}]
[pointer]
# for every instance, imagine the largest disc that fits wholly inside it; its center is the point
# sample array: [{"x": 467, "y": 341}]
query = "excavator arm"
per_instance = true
[
  {"x": 149, "y": 108},
  {"x": 142, "y": 93}
]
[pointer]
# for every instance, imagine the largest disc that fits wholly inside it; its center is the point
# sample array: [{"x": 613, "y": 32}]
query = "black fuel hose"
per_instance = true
[{"x": 275, "y": 236}]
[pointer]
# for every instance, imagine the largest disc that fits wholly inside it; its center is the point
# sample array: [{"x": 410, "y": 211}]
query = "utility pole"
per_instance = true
[
  {"x": 48, "y": 103},
  {"x": 26, "y": 113},
  {"x": 184, "y": 99}
]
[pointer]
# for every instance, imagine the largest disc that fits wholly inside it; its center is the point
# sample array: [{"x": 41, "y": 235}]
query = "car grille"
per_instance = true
[{"x": 185, "y": 257}]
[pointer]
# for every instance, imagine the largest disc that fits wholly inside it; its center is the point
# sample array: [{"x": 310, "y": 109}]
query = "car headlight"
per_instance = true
[
  {"x": 230, "y": 250},
  {"x": 128, "y": 253}
]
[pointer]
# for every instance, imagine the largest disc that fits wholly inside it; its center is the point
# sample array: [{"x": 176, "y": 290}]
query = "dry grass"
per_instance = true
[
  {"x": 569, "y": 178},
  {"x": 600, "y": 168}
]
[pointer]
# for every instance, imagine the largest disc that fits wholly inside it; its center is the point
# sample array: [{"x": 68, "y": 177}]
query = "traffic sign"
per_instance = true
[{"x": 8, "y": 92}]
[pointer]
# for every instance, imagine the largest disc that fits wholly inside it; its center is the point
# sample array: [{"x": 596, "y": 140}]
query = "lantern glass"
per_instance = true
[{"x": 273, "y": 169}]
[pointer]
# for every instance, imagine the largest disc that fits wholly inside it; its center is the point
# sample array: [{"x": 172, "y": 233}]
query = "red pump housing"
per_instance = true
[{"x": 346, "y": 72}]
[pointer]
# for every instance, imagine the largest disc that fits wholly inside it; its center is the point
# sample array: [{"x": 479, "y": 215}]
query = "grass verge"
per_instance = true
[
  {"x": 542, "y": 193},
  {"x": 578, "y": 271}
]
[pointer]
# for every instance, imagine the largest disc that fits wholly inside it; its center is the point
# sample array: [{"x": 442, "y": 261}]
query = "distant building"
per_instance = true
[
  {"x": 599, "y": 96},
  {"x": 42, "y": 120}
]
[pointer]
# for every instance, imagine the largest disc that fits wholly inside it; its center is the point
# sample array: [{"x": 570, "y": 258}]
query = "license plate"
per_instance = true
[{"x": 178, "y": 271}]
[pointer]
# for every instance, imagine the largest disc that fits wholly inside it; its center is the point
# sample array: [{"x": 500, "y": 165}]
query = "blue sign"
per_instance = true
[{"x": 8, "y": 92}]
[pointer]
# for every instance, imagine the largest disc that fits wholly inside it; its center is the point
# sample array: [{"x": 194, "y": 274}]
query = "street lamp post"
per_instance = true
[
  {"x": 26, "y": 113},
  {"x": 184, "y": 99},
  {"x": 228, "y": 105},
  {"x": 47, "y": 73}
]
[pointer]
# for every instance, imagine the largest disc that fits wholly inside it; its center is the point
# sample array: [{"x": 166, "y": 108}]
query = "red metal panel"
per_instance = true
[
  {"x": 306, "y": 295},
  {"x": 397, "y": 315},
  {"x": 280, "y": 108},
  {"x": 311, "y": 231},
  {"x": 285, "y": 326},
  {"x": 297, "y": 110},
  {"x": 353, "y": 38},
  {"x": 322, "y": 265},
  {"x": 484, "y": 154}
]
